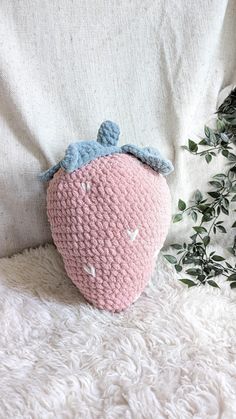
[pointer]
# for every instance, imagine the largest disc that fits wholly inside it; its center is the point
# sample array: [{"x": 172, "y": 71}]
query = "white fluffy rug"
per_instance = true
[{"x": 171, "y": 355}]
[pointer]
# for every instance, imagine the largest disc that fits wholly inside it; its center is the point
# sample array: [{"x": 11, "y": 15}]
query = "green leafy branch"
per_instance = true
[{"x": 193, "y": 257}]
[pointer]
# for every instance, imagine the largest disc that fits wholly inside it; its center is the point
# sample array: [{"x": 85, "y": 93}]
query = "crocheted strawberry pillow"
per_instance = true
[{"x": 109, "y": 211}]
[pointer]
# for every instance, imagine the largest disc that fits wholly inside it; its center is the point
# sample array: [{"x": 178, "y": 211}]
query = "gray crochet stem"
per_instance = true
[{"x": 108, "y": 133}]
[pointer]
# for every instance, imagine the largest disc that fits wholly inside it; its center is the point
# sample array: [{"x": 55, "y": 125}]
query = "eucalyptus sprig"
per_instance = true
[{"x": 206, "y": 211}]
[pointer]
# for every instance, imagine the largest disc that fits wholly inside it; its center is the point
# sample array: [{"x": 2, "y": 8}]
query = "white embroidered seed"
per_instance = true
[
  {"x": 86, "y": 186},
  {"x": 90, "y": 270},
  {"x": 133, "y": 234}
]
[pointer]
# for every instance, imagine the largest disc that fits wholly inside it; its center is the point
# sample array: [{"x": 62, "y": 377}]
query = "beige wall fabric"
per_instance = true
[{"x": 153, "y": 66}]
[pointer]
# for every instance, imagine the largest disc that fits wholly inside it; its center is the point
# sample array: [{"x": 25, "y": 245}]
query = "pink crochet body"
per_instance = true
[{"x": 109, "y": 219}]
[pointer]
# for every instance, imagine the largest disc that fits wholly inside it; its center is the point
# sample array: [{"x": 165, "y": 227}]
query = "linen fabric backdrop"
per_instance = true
[{"x": 155, "y": 67}]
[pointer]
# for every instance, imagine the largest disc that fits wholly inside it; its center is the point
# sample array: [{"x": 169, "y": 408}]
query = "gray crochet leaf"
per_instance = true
[
  {"x": 150, "y": 156},
  {"x": 83, "y": 152}
]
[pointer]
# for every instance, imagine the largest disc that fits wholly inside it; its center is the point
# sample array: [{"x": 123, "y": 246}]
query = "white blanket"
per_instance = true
[
  {"x": 171, "y": 355},
  {"x": 153, "y": 66}
]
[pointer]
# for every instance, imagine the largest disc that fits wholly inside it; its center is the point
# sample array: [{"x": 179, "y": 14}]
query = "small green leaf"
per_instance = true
[
  {"x": 215, "y": 184},
  {"x": 181, "y": 205},
  {"x": 206, "y": 240},
  {"x": 208, "y": 157},
  {"x": 201, "y": 277},
  {"x": 214, "y": 194},
  {"x": 187, "y": 261},
  {"x": 232, "y": 277},
  {"x": 198, "y": 196},
  {"x": 171, "y": 259},
  {"x": 212, "y": 136},
  {"x": 200, "y": 230},
  {"x": 231, "y": 157},
  {"x": 222, "y": 229},
  {"x": 207, "y": 217},
  {"x": 220, "y": 176},
  {"x": 224, "y": 210},
  {"x": 213, "y": 283},
  {"x": 218, "y": 258},
  {"x": 203, "y": 142},
  {"x": 194, "y": 216},
  {"x": 225, "y": 153},
  {"x": 193, "y": 272},
  {"x": 177, "y": 218},
  {"x": 178, "y": 268},
  {"x": 220, "y": 125},
  {"x": 202, "y": 208},
  {"x": 233, "y": 285},
  {"x": 207, "y": 131},
  {"x": 193, "y": 237},
  {"x": 224, "y": 138},
  {"x": 225, "y": 202},
  {"x": 233, "y": 199},
  {"x": 229, "y": 266},
  {"x": 188, "y": 282},
  {"x": 176, "y": 246},
  {"x": 192, "y": 146}
]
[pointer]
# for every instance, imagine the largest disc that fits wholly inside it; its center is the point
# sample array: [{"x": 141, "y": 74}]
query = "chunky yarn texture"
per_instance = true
[{"x": 108, "y": 220}]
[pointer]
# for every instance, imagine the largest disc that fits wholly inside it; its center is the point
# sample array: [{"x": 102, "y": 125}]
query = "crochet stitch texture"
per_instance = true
[{"x": 108, "y": 220}]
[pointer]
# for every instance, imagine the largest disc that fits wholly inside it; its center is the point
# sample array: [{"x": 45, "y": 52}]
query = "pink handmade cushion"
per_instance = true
[{"x": 109, "y": 219}]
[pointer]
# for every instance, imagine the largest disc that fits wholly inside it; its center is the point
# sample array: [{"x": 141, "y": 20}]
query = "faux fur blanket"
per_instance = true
[{"x": 172, "y": 354}]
